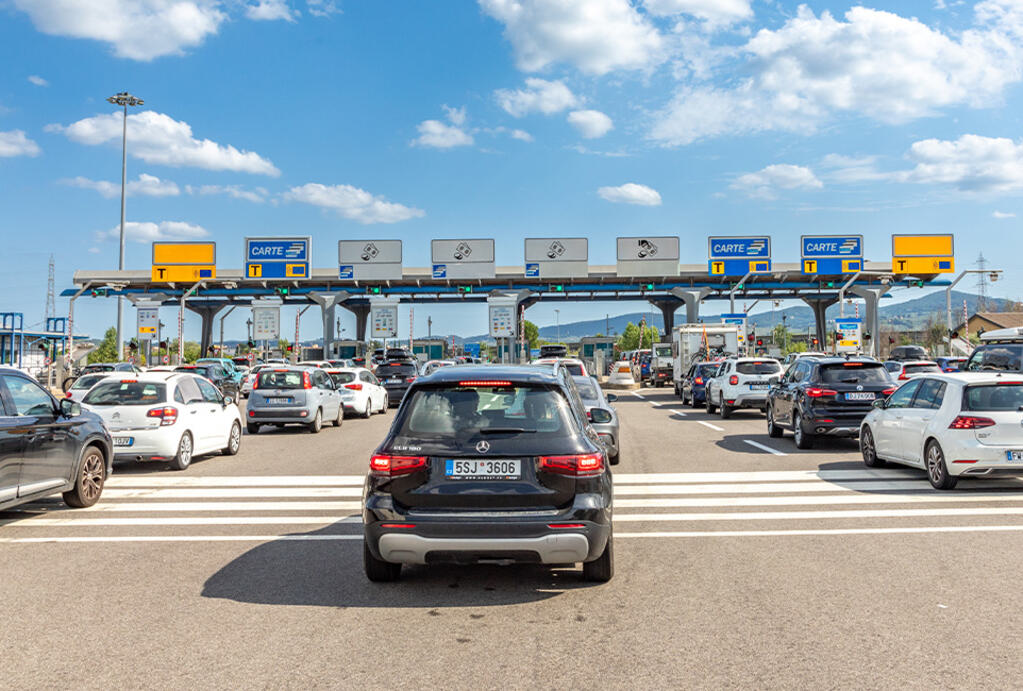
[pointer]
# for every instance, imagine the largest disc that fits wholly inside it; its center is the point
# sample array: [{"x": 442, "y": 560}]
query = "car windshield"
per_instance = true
[
  {"x": 854, "y": 373},
  {"x": 575, "y": 369},
  {"x": 664, "y": 351},
  {"x": 126, "y": 393},
  {"x": 993, "y": 398},
  {"x": 920, "y": 369},
  {"x": 453, "y": 413},
  {"x": 99, "y": 368},
  {"x": 201, "y": 371},
  {"x": 997, "y": 356},
  {"x": 342, "y": 377},
  {"x": 281, "y": 379},
  {"x": 706, "y": 370},
  {"x": 758, "y": 367},
  {"x": 87, "y": 381},
  {"x": 396, "y": 370}
]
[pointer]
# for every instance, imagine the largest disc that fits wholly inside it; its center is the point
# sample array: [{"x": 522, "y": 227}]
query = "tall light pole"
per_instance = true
[
  {"x": 123, "y": 99},
  {"x": 557, "y": 320},
  {"x": 994, "y": 275}
]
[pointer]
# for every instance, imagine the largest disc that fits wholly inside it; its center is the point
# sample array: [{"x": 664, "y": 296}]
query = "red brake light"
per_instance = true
[
  {"x": 903, "y": 377},
  {"x": 481, "y": 382},
  {"x": 129, "y": 381},
  {"x": 558, "y": 526},
  {"x": 585, "y": 465},
  {"x": 67, "y": 395},
  {"x": 168, "y": 415},
  {"x": 733, "y": 380},
  {"x": 354, "y": 387},
  {"x": 889, "y": 392},
  {"x": 307, "y": 381},
  {"x": 698, "y": 381},
  {"x": 396, "y": 465},
  {"x": 971, "y": 422},
  {"x": 397, "y": 525},
  {"x": 816, "y": 392}
]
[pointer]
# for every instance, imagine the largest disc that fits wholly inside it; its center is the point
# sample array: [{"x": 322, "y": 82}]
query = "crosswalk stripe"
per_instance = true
[
  {"x": 820, "y": 499},
  {"x": 201, "y": 506},
  {"x": 230, "y": 492},
  {"x": 237, "y": 481},
  {"x": 181, "y": 520},
  {"x": 768, "y": 476},
  {"x": 182, "y": 538},
  {"x": 779, "y": 487}
]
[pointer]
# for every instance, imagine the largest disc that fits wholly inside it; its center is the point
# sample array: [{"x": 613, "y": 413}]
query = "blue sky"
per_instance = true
[{"x": 504, "y": 119}]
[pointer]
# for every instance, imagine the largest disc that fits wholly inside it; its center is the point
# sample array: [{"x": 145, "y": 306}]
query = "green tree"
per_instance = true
[
  {"x": 629, "y": 340},
  {"x": 532, "y": 334},
  {"x": 107, "y": 350},
  {"x": 193, "y": 351}
]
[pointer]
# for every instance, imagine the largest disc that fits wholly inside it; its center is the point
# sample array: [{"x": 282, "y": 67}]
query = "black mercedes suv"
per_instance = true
[
  {"x": 489, "y": 465},
  {"x": 825, "y": 396}
]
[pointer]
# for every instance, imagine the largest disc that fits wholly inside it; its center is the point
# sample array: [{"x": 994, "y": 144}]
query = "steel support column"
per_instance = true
[
  {"x": 667, "y": 306},
  {"x": 872, "y": 296},
  {"x": 820, "y": 306},
  {"x": 361, "y": 313},
  {"x": 207, "y": 312},
  {"x": 692, "y": 298},
  {"x": 328, "y": 303}
]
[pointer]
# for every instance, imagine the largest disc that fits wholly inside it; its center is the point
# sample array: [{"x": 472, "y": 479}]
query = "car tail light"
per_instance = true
[
  {"x": 733, "y": 380},
  {"x": 817, "y": 392},
  {"x": 973, "y": 461},
  {"x": 307, "y": 381},
  {"x": 167, "y": 416},
  {"x": 384, "y": 464},
  {"x": 903, "y": 377},
  {"x": 561, "y": 526},
  {"x": 971, "y": 422},
  {"x": 398, "y": 525},
  {"x": 889, "y": 392},
  {"x": 67, "y": 395},
  {"x": 585, "y": 465},
  {"x": 129, "y": 381},
  {"x": 354, "y": 387},
  {"x": 698, "y": 381},
  {"x": 482, "y": 382}
]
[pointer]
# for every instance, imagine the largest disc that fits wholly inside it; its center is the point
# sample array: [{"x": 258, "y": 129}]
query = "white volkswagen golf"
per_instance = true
[
  {"x": 360, "y": 390},
  {"x": 951, "y": 425},
  {"x": 166, "y": 416}
]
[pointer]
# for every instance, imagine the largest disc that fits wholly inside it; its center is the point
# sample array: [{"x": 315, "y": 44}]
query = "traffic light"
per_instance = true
[
  {"x": 815, "y": 342},
  {"x": 290, "y": 348},
  {"x": 374, "y": 290},
  {"x": 251, "y": 344},
  {"x": 647, "y": 286},
  {"x": 283, "y": 291},
  {"x": 163, "y": 345},
  {"x": 133, "y": 345},
  {"x": 44, "y": 346},
  {"x": 866, "y": 336},
  {"x": 556, "y": 288},
  {"x": 760, "y": 343},
  {"x": 464, "y": 289},
  {"x": 830, "y": 284},
  {"x": 98, "y": 292}
]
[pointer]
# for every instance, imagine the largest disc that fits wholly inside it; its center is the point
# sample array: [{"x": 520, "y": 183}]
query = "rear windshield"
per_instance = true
[
  {"x": 396, "y": 371},
  {"x": 87, "y": 381},
  {"x": 342, "y": 377},
  {"x": 289, "y": 379},
  {"x": 1001, "y": 356},
  {"x": 909, "y": 352},
  {"x": 758, "y": 367},
  {"x": 575, "y": 369},
  {"x": 587, "y": 390},
  {"x": 201, "y": 371},
  {"x": 994, "y": 397},
  {"x": 917, "y": 369},
  {"x": 452, "y": 414},
  {"x": 126, "y": 393},
  {"x": 99, "y": 368},
  {"x": 706, "y": 370},
  {"x": 854, "y": 373}
]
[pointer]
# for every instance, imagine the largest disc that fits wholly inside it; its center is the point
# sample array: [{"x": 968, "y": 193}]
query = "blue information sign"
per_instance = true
[
  {"x": 346, "y": 271},
  {"x": 532, "y": 271},
  {"x": 440, "y": 270},
  {"x": 831, "y": 254},
  {"x": 754, "y": 247},
  {"x": 286, "y": 258}
]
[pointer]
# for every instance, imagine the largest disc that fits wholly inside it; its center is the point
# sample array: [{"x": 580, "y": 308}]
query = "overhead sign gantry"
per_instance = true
[
  {"x": 288, "y": 258},
  {"x": 831, "y": 254},
  {"x": 738, "y": 256}
]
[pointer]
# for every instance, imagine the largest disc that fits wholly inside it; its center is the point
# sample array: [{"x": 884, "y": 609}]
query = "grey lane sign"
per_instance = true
[
  {"x": 148, "y": 321},
  {"x": 557, "y": 257},
  {"x": 266, "y": 323},
  {"x": 383, "y": 317},
  {"x": 648, "y": 256},
  {"x": 453, "y": 259},
  {"x": 369, "y": 260}
]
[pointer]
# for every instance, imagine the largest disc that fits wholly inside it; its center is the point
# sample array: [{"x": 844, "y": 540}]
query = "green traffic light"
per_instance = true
[
  {"x": 464, "y": 289},
  {"x": 556, "y": 288}
]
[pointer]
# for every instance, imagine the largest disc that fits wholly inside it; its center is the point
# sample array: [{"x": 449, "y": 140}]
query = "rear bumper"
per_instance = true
[
  {"x": 562, "y": 548},
  {"x": 278, "y": 415},
  {"x": 147, "y": 445},
  {"x": 394, "y": 396},
  {"x": 989, "y": 459},
  {"x": 746, "y": 399},
  {"x": 825, "y": 423}
]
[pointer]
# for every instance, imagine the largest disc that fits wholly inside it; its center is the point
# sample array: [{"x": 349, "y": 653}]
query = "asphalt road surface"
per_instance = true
[{"x": 741, "y": 562}]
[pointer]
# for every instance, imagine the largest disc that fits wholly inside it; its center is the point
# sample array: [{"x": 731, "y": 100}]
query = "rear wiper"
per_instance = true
[{"x": 506, "y": 430}]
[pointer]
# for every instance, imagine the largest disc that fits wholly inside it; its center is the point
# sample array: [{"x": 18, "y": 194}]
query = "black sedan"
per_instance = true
[
  {"x": 489, "y": 465},
  {"x": 825, "y": 396},
  {"x": 48, "y": 446}
]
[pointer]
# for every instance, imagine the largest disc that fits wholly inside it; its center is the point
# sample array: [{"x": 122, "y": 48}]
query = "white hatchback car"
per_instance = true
[
  {"x": 166, "y": 416},
  {"x": 951, "y": 425},
  {"x": 360, "y": 390}
]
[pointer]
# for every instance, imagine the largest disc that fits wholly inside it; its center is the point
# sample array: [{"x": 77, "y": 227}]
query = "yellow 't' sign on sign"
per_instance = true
[
  {"x": 921, "y": 255},
  {"x": 175, "y": 262}
]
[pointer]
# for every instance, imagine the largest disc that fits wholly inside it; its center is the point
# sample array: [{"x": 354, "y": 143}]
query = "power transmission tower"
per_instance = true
[
  {"x": 51, "y": 308},
  {"x": 981, "y": 265}
]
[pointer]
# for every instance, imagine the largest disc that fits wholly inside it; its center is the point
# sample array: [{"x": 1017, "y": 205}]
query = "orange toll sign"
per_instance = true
[{"x": 181, "y": 262}]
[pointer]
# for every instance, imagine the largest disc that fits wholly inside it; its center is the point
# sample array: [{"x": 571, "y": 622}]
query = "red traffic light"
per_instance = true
[{"x": 760, "y": 342}]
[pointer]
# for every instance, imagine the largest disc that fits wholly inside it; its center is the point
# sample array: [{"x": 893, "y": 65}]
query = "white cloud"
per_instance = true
[
  {"x": 521, "y": 135},
  {"x": 158, "y": 138},
  {"x": 591, "y": 124},
  {"x": 257, "y": 195},
  {"x": 37, "y": 80},
  {"x": 322, "y": 8},
  {"x": 144, "y": 186},
  {"x": 890, "y": 68},
  {"x": 764, "y": 183},
  {"x": 631, "y": 193},
  {"x": 597, "y": 36},
  {"x": 539, "y": 96},
  {"x": 972, "y": 163},
  {"x": 1002, "y": 214},
  {"x": 149, "y": 232},
  {"x": 438, "y": 135},
  {"x": 96, "y": 250},
  {"x": 270, "y": 10},
  {"x": 17, "y": 143},
  {"x": 352, "y": 203},
  {"x": 714, "y": 12},
  {"x": 852, "y": 169},
  {"x": 135, "y": 29}
]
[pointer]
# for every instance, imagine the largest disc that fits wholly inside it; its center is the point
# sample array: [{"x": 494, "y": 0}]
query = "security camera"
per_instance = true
[{"x": 995, "y": 275}]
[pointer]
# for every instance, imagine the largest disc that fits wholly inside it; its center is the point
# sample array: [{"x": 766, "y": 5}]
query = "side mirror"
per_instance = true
[
  {"x": 600, "y": 416},
  {"x": 69, "y": 408},
  {"x": 612, "y": 397},
  {"x": 228, "y": 400},
  {"x": 881, "y": 403}
]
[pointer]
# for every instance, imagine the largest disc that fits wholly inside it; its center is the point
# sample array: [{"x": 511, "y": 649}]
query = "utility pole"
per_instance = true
[{"x": 429, "y": 327}]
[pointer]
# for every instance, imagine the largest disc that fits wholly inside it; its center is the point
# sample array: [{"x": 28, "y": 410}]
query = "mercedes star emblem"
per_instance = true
[{"x": 483, "y": 447}]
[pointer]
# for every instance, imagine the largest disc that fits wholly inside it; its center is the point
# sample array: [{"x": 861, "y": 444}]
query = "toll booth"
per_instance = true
[
  {"x": 347, "y": 350},
  {"x": 430, "y": 349},
  {"x": 596, "y": 352}
]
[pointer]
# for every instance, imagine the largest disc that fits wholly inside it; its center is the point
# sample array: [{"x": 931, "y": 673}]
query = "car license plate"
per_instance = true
[
  {"x": 394, "y": 381},
  {"x": 278, "y": 400},
  {"x": 124, "y": 441},
  {"x": 859, "y": 396},
  {"x": 759, "y": 387},
  {"x": 490, "y": 469},
  {"x": 1014, "y": 456}
]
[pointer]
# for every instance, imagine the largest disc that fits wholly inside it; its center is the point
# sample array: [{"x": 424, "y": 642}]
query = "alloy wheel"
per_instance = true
[{"x": 93, "y": 474}]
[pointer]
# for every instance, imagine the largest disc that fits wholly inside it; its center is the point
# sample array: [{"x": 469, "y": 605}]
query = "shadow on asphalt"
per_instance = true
[{"x": 328, "y": 573}]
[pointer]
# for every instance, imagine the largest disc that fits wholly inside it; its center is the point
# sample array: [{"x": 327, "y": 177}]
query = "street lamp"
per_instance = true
[
  {"x": 557, "y": 320},
  {"x": 992, "y": 275},
  {"x": 123, "y": 99}
]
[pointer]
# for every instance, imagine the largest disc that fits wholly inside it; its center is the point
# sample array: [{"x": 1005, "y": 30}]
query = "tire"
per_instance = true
[
  {"x": 234, "y": 440},
  {"x": 67, "y": 383},
  {"x": 92, "y": 474},
  {"x": 711, "y": 408},
  {"x": 613, "y": 460},
  {"x": 868, "y": 449},
  {"x": 378, "y": 570},
  {"x": 602, "y": 569},
  {"x": 183, "y": 458},
  {"x": 316, "y": 425},
  {"x": 339, "y": 420},
  {"x": 252, "y": 428},
  {"x": 799, "y": 435},
  {"x": 692, "y": 400},
  {"x": 726, "y": 410},
  {"x": 368, "y": 411},
  {"x": 937, "y": 470},
  {"x": 773, "y": 430}
]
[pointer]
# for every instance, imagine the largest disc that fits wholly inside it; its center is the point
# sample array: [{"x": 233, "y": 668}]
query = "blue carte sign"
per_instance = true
[
  {"x": 279, "y": 258},
  {"x": 757, "y": 247},
  {"x": 832, "y": 246}
]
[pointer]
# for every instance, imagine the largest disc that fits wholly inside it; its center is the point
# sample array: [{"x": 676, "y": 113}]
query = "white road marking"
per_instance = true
[
  {"x": 762, "y": 447},
  {"x": 228, "y": 492},
  {"x": 182, "y": 538},
  {"x": 638, "y": 395},
  {"x": 236, "y": 481},
  {"x": 771, "y": 476},
  {"x": 831, "y": 531},
  {"x": 776, "y": 487},
  {"x": 816, "y": 515},
  {"x": 713, "y": 427},
  {"x": 201, "y": 506},
  {"x": 822, "y": 499},
  {"x": 677, "y": 412},
  {"x": 182, "y": 520}
]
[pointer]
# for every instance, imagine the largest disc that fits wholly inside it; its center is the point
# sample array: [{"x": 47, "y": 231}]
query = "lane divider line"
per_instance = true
[
  {"x": 713, "y": 427},
  {"x": 762, "y": 447}
]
